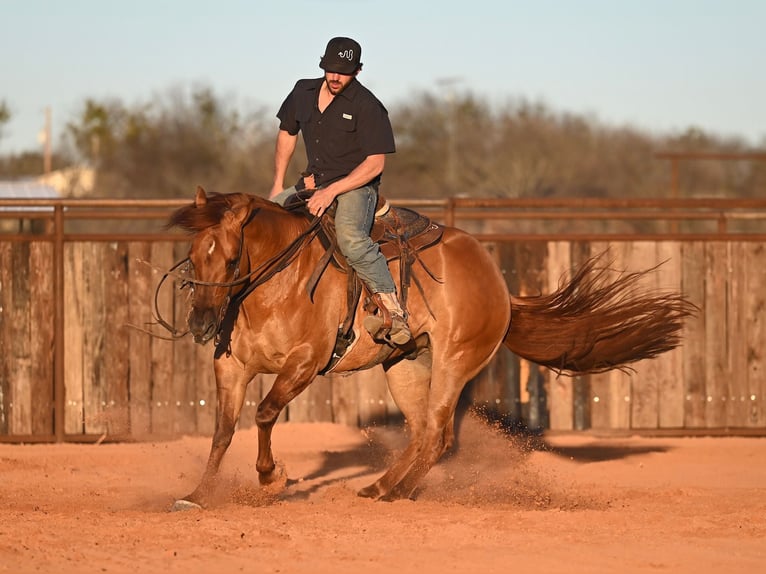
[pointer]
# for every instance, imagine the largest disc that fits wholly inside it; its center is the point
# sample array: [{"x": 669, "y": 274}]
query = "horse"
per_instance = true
[{"x": 250, "y": 262}]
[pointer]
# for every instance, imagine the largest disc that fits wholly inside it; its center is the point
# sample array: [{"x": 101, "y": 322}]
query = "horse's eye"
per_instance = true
[{"x": 231, "y": 264}]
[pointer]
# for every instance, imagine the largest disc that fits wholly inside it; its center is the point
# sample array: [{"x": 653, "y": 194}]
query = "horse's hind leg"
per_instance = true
[
  {"x": 452, "y": 369},
  {"x": 231, "y": 385},
  {"x": 408, "y": 382},
  {"x": 436, "y": 437},
  {"x": 448, "y": 436}
]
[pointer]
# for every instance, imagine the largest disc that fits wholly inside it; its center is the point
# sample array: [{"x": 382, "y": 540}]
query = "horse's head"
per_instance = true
[{"x": 217, "y": 258}]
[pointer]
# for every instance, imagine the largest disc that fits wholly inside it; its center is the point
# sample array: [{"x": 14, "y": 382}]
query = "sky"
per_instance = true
[{"x": 661, "y": 66}]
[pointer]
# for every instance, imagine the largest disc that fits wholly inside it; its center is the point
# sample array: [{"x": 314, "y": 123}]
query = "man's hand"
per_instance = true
[
  {"x": 320, "y": 201},
  {"x": 308, "y": 181}
]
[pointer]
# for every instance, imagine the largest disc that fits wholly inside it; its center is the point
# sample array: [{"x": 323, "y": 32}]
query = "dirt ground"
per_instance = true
[{"x": 558, "y": 504}]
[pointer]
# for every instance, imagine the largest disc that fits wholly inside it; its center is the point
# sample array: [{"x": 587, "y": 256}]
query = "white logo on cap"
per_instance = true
[{"x": 347, "y": 54}]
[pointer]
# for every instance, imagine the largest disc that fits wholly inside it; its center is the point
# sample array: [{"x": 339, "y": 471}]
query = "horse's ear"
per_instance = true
[{"x": 201, "y": 197}]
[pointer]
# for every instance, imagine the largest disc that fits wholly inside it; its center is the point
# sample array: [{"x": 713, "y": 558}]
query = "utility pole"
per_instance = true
[
  {"x": 448, "y": 85},
  {"x": 45, "y": 137}
]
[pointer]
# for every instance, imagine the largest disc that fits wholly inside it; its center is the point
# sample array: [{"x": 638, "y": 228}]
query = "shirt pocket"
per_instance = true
[
  {"x": 347, "y": 122},
  {"x": 344, "y": 141}
]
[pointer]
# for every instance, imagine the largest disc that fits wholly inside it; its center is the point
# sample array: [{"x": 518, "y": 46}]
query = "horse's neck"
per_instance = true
[{"x": 272, "y": 236}]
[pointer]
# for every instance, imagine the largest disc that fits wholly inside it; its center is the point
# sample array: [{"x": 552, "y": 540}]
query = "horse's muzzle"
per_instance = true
[{"x": 203, "y": 325}]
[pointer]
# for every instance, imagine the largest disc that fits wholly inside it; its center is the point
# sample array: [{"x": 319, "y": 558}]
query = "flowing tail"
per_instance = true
[{"x": 592, "y": 323}]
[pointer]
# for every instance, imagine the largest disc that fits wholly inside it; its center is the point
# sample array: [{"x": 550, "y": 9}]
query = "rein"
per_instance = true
[{"x": 262, "y": 273}]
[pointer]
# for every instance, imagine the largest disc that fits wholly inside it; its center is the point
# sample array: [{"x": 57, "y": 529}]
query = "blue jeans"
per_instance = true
[{"x": 353, "y": 222}]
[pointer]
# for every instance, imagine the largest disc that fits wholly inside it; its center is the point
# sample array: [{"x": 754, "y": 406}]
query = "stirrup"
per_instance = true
[
  {"x": 396, "y": 333},
  {"x": 399, "y": 333},
  {"x": 386, "y": 325}
]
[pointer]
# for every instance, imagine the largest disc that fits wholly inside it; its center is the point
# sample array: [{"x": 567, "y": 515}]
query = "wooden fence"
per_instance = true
[{"x": 73, "y": 305}]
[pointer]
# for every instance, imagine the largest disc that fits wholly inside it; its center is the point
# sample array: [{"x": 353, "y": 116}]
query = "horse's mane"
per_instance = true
[{"x": 194, "y": 218}]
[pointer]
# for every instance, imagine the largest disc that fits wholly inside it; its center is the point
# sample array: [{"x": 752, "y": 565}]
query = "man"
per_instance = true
[{"x": 347, "y": 135}]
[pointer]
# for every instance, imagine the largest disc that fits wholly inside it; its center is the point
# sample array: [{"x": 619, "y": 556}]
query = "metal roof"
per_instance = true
[{"x": 26, "y": 189}]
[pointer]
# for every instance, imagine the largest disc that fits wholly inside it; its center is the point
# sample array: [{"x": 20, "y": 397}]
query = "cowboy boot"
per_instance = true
[{"x": 390, "y": 324}]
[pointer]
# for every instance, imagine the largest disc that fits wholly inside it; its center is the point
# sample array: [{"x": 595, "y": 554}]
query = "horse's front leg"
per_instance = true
[
  {"x": 295, "y": 376},
  {"x": 266, "y": 417},
  {"x": 231, "y": 384}
]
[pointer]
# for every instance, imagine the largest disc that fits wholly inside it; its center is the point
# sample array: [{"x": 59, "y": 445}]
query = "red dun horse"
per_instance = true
[{"x": 251, "y": 261}]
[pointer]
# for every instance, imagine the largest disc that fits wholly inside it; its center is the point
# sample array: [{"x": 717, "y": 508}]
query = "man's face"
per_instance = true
[{"x": 336, "y": 83}]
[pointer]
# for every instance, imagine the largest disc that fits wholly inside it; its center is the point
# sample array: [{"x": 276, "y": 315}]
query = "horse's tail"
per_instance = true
[{"x": 592, "y": 324}]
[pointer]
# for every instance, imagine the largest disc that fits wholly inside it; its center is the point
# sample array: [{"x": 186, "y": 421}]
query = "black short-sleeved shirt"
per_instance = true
[{"x": 353, "y": 126}]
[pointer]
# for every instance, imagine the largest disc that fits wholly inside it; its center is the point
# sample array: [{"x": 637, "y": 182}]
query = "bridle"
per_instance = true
[{"x": 251, "y": 279}]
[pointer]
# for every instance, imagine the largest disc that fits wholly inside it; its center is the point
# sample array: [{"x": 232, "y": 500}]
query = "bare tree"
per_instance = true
[
  {"x": 459, "y": 145},
  {"x": 5, "y": 117}
]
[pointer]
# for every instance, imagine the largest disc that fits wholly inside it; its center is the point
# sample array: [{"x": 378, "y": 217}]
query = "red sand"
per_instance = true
[{"x": 566, "y": 504}]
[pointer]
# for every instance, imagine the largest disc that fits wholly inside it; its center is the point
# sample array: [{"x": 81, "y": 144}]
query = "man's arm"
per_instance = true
[
  {"x": 285, "y": 147},
  {"x": 369, "y": 169}
]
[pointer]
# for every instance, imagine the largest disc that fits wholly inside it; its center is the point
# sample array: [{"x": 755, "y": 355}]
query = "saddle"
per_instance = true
[{"x": 401, "y": 234}]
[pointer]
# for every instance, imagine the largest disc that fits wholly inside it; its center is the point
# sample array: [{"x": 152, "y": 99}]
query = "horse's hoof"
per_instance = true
[
  {"x": 390, "y": 497},
  {"x": 397, "y": 493},
  {"x": 276, "y": 476},
  {"x": 183, "y": 505},
  {"x": 371, "y": 491}
]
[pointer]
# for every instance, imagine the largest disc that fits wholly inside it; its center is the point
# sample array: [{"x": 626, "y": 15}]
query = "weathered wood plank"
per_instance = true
[
  {"x": 579, "y": 253},
  {"x": 184, "y": 385},
  {"x": 73, "y": 338},
  {"x": 510, "y": 377},
  {"x": 694, "y": 337},
  {"x": 41, "y": 336},
  {"x": 717, "y": 270},
  {"x": 620, "y": 383},
  {"x": 163, "y": 402},
  {"x": 670, "y": 373},
  {"x": 644, "y": 387},
  {"x": 117, "y": 339},
  {"x": 93, "y": 306},
  {"x": 611, "y": 391},
  {"x": 6, "y": 331},
  {"x": 560, "y": 389},
  {"x": 532, "y": 280},
  {"x": 20, "y": 345},
  {"x": 140, "y": 292},
  {"x": 600, "y": 390},
  {"x": 755, "y": 345},
  {"x": 737, "y": 401}
]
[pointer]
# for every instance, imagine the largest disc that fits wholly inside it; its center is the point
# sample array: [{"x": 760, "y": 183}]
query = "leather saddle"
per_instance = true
[{"x": 401, "y": 234}]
